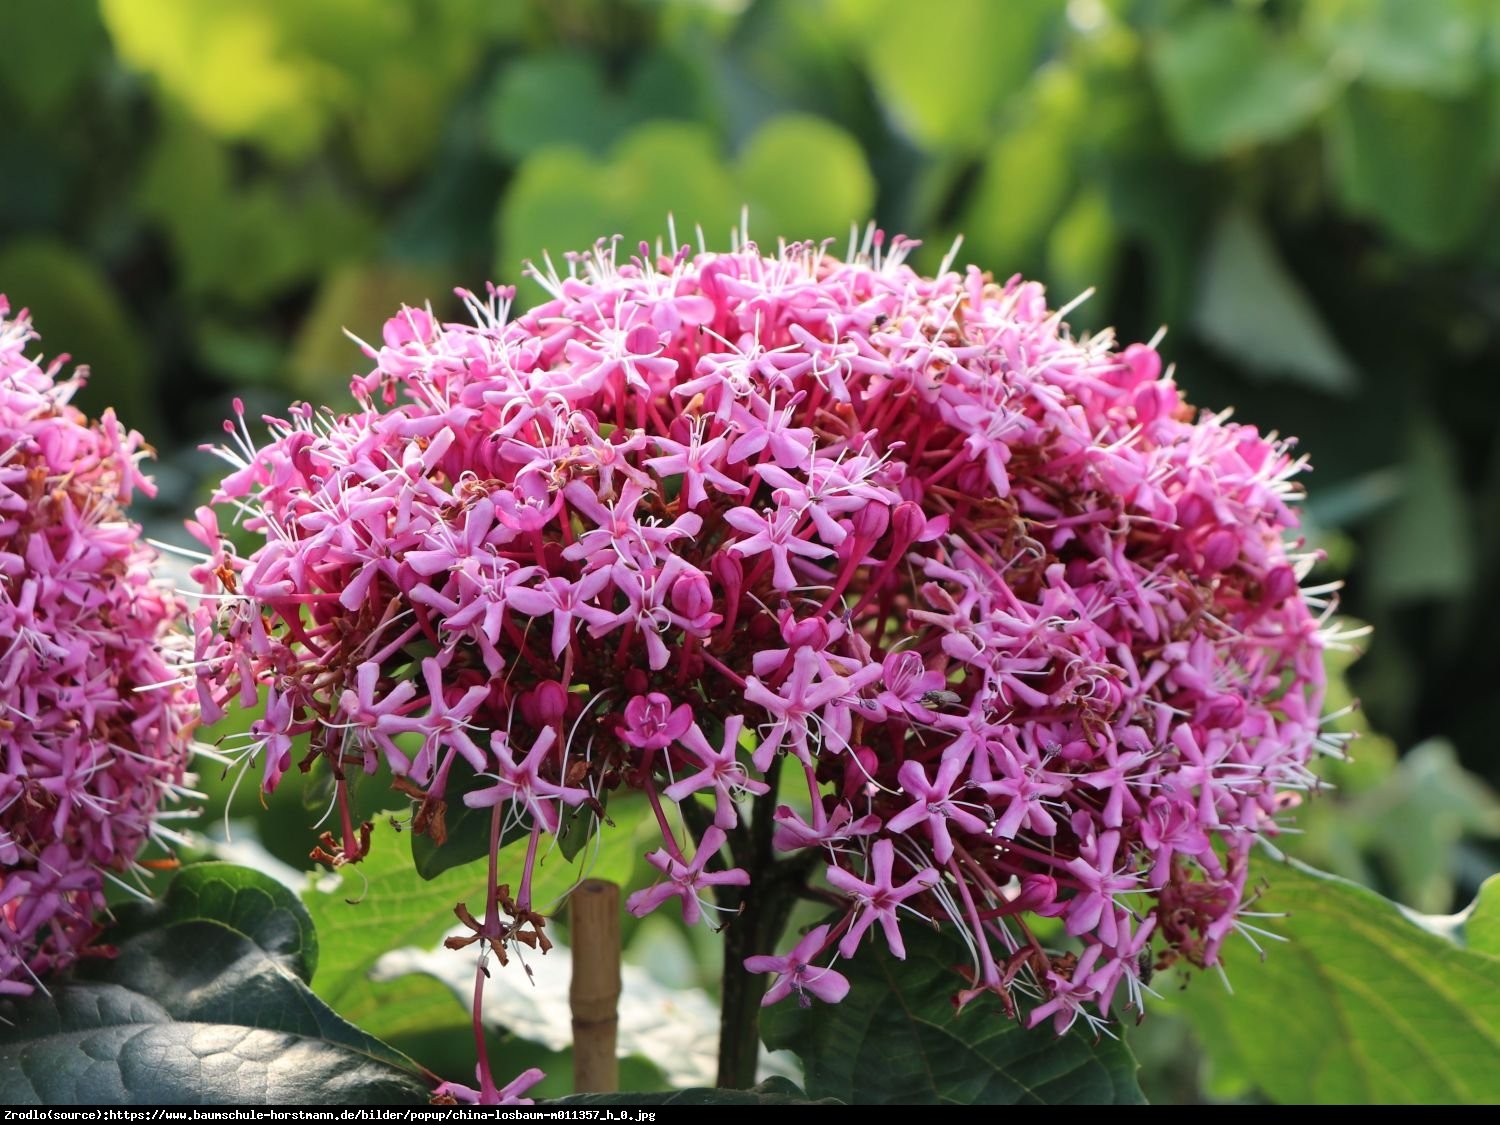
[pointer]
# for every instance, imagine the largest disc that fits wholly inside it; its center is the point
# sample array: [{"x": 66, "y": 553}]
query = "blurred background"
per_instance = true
[{"x": 195, "y": 198}]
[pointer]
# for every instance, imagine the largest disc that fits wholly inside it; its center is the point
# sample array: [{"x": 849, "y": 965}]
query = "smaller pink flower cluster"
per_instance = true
[{"x": 92, "y": 743}]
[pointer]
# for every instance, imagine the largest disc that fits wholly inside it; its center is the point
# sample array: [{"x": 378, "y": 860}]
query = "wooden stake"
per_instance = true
[{"x": 595, "y": 991}]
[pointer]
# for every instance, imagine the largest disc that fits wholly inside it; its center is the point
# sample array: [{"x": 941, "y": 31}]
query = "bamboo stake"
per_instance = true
[{"x": 595, "y": 990}]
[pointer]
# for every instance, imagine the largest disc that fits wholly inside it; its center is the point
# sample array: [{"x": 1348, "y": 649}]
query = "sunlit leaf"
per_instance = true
[
  {"x": 1359, "y": 1005},
  {"x": 804, "y": 178}
]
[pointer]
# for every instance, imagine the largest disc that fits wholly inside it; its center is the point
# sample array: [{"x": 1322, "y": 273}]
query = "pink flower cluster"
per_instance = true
[
  {"x": 882, "y": 570},
  {"x": 91, "y": 743}
]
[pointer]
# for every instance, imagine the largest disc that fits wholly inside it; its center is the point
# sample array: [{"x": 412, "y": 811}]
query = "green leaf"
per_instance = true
[
  {"x": 576, "y": 827},
  {"x": 1430, "y": 803},
  {"x": 1027, "y": 177},
  {"x": 896, "y": 1039},
  {"x": 1482, "y": 929},
  {"x": 203, "y": 1004},
  {"x": 553, "y": 99},
  {"x": 1255, "y": 312},
  {"x": 562, "y": 200},
  {"x": 1423, "y": 546},
  {"x": 1227, "y": 83},
  {"x": 773, "y": 1091},
  {"x": 804, "y": 178},
  {"x": 942, "y": 70},
  {"x": 50, "y": 50},
  {"x": 1081, "y": 253},
  {"x": 468, "y": 830},
  {"x": 379, "y": 904},
  {"x": 251, "y": 904},
  {"x": 243, "y": 237},
  {"x": 384, "y": 903},
  {"x": 1432, "y": 45},
  {"x": 1421, "y": 166},
  {"x": 1360, "y": 1005}
]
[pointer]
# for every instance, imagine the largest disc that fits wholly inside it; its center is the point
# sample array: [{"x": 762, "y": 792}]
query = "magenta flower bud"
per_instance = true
[
  {"x": 806, "y": 632},
  {"x": 545, "y": 705},
  {"x": 729, "y": 573},
  {"x": 870, "y": 522},
  {"x": 1038, "y": 894},
  {"x": 908, "y": 524},
  {"x": 1220, "y": 550},
  {"x": 1279, "y": 585},
  {"x": 692, "y": 596},
  {"x": 1224, "y": 711},
  {"x": 1143, "y": 362}
]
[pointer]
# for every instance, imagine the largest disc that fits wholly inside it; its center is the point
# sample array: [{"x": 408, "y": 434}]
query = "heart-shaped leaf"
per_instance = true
[{"x": 205, "y": 1003}]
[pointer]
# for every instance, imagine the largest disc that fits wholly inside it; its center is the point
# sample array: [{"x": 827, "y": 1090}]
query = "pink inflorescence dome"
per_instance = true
[
  {"x": 92, "y": 740},
  {"x": 980, "y": 615}
]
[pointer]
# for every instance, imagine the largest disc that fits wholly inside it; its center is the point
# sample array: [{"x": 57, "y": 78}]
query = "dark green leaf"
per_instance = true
[
  {"x": 896, "y": 1039},
  {"x": 202, "y": 1005},
  {"x": 1423, "y": 545},
  {"x": 1359, "y": 1005},
  {"x": 1254, "y": 311},
  {"x": 251, "y": 904},
  {"x": 773, "y": 1091},
  {"x": 576, "y": 827},
  {"x": 78, "y": 311}
]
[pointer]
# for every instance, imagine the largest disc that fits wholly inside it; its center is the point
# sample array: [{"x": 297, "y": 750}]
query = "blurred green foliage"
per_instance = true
[{"x": 196, "y": 198}]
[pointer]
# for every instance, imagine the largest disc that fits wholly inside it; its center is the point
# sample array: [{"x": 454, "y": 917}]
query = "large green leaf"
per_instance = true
[
  {"x": 1361, "y": 1005},
  {"x": 773, "y": 1091},
  {"x": 1228, "y": 83},
  {"x": 942, "y": 70},
  {"x": 804, "y": 177},
  {"x": 896, "y": 1039},
  {"x": 205, "y": 1003},
  {"x": 1482, "y": 929},
  {"x": 385, "y": 903},
  {"x": 1422, "y": 166},
  {"x": 1027, "y": 176},
  {"x": 1430, "y": 45}
]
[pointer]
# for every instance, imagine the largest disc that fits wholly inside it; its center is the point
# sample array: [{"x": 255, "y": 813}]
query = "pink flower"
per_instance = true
[
  {"x": 686, "y": 879},
  {"x": 879, "y": 897},
  {"x": 794, "y": 973},
  {"x": 95, "y": 706}
]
